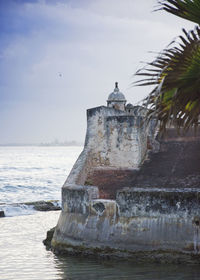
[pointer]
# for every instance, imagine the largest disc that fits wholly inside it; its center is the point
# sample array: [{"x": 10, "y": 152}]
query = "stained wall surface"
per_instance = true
[{"x": 130, "y": 195}]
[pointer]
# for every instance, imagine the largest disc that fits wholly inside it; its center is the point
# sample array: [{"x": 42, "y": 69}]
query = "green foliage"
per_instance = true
[
  {"x": 187, "y": 9},
  {"x": 175, "y": 73}
]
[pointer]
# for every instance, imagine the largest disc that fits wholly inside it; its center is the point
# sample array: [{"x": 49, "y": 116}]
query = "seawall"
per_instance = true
[{"x": 123, "y": 200}]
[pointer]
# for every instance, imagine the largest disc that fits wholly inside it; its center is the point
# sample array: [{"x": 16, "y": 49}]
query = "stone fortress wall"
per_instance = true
[
  {"x": 113, "y": 139},
  {"x": 113, "y": 201}
]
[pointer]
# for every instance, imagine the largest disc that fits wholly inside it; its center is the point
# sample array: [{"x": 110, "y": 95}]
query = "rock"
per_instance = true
[
  {"x": 2, "y": 214},
  {"x": 44, "y": 205},
  {"x": 47, "y": 241}
]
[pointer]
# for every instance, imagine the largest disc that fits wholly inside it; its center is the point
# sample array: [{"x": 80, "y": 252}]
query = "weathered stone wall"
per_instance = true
[
  {"x": 114, "y": 142},
  {"x": 76, "y": 199},
  {"x": 157, "y": 202},
  {"x": 140, "y": 224},
  {"x": 156, "y": 214},
  {"x": 175, "y": 165},
  {"x": 110, "y": 180},
  {"x": 90, "y": 156},
  {"x": 115, "y": 139},
  {"x": 80, "y": 169}
]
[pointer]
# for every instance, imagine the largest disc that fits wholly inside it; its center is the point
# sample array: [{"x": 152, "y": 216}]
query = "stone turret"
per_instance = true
[{"x": 116, "y": 99}]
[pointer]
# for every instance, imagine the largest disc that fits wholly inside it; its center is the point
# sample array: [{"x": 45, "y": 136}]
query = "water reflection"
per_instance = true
[
  {"x": 74, "y": 268},
  {"x": 23, "y": 256}
]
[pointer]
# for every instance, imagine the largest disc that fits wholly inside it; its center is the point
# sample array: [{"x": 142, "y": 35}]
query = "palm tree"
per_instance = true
[{"x": 175, "y": 73}]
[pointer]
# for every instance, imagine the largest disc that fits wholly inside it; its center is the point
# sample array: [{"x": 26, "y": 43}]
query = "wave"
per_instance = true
[
  {"x": 29, "y": 208},
  {"x": 17, "y": 210}
]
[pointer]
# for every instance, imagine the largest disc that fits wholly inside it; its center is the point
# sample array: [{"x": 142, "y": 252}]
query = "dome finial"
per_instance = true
[{"x": 116, "y": 99}]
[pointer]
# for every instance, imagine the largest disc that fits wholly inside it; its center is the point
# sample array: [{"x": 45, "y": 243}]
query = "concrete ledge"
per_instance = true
[
  {"x": 154, "y": 202},
  {"x": 76, "y": 199}
]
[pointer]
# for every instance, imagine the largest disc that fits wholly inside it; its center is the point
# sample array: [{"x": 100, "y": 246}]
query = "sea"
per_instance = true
[{"x": 33, "y": 173}]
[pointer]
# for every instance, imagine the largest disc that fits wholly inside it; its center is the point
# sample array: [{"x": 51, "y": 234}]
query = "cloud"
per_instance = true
[{"x": 91, "y": 43}]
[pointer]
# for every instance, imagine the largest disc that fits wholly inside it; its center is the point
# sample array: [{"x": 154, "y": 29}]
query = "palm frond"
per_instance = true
[
  {"x": 187, "y": 9},
  {"x": 176, "y": 73}
]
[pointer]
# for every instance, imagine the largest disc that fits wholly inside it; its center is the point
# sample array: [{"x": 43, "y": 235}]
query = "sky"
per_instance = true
[{"x": 60, "y": 57}]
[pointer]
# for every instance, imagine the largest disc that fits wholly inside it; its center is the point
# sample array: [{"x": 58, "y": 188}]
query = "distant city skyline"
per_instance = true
[
  {"x": 61, "y": 57},
  {"x": 55, "y": 142}
]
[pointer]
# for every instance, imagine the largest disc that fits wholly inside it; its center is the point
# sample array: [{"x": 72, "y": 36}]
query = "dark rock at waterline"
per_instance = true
[
  {"x": 2, "y": 214},
  {"x": 51, "y": 205},
  {"x": 44, "y": 205},
  {"x": 47, "y": 241}
]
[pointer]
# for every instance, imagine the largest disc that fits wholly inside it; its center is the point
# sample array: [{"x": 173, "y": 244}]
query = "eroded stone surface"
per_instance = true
[
  {"x": 154, "y": 202},
  {"x": 110, "y": 180},
  {"x": 156, "y": 211},
  {"x": 176, "y": 165}
]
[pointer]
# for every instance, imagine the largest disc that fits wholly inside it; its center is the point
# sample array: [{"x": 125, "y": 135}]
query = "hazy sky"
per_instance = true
[{"x": 60, "y": 57}]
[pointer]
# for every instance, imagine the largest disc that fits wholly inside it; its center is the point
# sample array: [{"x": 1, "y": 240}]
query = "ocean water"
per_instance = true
[
  {"x": 37, "y": 173},
  {"x": 32, "y": 174}
]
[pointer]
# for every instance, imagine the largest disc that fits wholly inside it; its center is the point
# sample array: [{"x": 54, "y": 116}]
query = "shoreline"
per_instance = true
[{"x": 29, "y": 207}]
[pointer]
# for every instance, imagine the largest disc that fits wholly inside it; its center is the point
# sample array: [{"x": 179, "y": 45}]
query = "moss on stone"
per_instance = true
[{"x": 154, "y": 256}]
